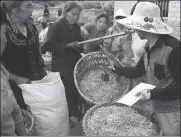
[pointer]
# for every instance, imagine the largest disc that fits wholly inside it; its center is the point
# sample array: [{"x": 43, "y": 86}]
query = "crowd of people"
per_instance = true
[{"x": 148, "y": 51}]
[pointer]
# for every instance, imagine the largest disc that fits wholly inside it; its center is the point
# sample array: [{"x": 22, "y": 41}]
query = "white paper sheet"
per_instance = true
[{"x": 130, "y": 99}]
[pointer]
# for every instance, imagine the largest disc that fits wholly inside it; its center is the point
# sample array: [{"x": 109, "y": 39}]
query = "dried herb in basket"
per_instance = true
[
  {"x": 99, "y": 90},
  {"x": 118, "y": 121}
]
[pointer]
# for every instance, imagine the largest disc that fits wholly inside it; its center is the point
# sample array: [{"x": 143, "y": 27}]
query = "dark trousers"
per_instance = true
[{"x": 72, "y": 94}]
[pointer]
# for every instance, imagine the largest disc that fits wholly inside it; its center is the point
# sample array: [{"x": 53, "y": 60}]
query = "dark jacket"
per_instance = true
[{"x": 59, "y": 34}]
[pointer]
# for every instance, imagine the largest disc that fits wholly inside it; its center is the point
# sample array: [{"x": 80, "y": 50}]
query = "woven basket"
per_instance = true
[
  {"x": 93, "y": 61},
  {"x": 151, "y": 116},
  {"x": 29, "y": 121}
]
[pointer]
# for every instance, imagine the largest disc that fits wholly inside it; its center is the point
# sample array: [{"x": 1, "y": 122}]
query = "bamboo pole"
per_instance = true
[{"x": 102, "y": 38}]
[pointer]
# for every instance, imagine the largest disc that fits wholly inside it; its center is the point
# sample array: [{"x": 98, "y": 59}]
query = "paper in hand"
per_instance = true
[{"x": 130, "y": 98}]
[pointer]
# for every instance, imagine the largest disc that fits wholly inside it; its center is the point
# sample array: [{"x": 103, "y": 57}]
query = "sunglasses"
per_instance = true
[{"x": 119, "y": 17}]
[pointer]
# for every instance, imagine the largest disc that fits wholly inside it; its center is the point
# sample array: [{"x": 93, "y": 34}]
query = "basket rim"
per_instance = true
[
  {"x": 75, "y": 75},
  {"x": 92, "y": 109},
  {"x": 76, "y": 81}
]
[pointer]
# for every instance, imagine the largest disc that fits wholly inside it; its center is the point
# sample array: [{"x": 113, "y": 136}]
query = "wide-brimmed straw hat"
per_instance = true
[
  {"x": 146, "y": 17},
  {"x": 120, "y": 13}
]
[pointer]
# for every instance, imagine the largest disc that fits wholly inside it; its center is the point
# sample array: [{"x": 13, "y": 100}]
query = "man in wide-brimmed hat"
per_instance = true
[{"x": 160, "y": 63}]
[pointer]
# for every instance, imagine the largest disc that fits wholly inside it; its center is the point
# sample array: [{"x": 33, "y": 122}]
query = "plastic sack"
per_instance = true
[{"x": 48, "y": 104}]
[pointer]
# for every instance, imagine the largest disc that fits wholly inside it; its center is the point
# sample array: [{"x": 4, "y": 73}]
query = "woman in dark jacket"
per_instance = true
[{"x": 62, "y": 40}]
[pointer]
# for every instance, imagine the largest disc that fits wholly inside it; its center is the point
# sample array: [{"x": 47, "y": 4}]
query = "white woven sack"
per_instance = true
[{"x": 48, "y": 104}]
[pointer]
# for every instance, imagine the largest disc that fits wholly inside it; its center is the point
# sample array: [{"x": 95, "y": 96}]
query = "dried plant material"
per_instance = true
[
  {"x": 118, "y": 121},
  {"x": 99, "y": 91}
]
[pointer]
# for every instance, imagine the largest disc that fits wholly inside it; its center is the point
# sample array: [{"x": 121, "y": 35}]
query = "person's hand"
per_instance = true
[
  {"x": 75, "y": 46},
  {"x": 144, "y": 94},
  {"x": 72, "y": 44},
  {"x": 22, "y": 80}
]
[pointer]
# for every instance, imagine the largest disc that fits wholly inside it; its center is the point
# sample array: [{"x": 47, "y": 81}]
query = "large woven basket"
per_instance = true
[
  {"x": 149, "y": 115},
  {"x": 29, "y": 121},
  {"x": 91, "y": 62}
]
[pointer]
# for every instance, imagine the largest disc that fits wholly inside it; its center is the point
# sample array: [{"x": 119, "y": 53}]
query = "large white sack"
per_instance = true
[{"x": 48, "y": 104}]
